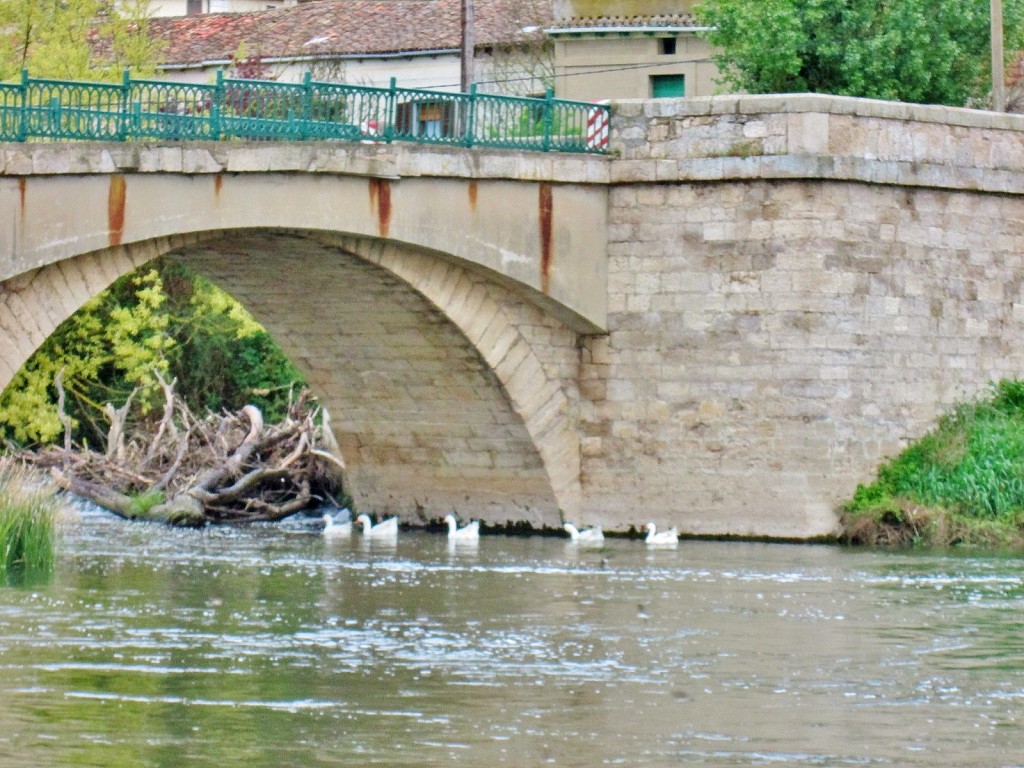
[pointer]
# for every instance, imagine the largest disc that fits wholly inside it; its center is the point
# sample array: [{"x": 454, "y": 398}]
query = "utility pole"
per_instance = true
[
  {"x": 469, "y": 46},
  {"x": 998, "y": 78}
]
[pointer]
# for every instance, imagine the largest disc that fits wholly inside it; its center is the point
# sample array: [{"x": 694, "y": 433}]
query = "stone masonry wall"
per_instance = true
[{"x": 797, "y": 287}]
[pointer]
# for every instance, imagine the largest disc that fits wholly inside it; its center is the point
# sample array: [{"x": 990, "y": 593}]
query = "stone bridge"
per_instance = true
[{"x": 724, "y": 325}]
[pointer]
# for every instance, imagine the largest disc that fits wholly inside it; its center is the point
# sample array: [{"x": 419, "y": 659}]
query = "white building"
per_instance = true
[
  {"x": 360, "y": 42},
  {"x": 196, "y": 7}
]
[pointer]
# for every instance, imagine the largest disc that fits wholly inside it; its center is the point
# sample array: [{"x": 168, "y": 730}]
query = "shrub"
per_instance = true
[{"x": 962, "y": 482}]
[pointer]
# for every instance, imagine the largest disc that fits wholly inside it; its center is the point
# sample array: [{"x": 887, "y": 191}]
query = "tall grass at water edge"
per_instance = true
[
  {"x": 28, "y": 523},
  {"x": 962, "y": 483}
]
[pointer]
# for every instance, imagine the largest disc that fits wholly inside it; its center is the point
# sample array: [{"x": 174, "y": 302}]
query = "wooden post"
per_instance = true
[
  {"x": 998, "y": 78},
  {"x": 468, "y": 46}
]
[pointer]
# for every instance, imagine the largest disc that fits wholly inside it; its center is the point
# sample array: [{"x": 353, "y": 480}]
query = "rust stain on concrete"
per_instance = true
[
  {"x": 115, "y": 208},
  {"x": 22, "y": 191},
  {"x": 380, "y": 201},
  {"x": 546, "y": 217},
  {"x": 473, "y": 191},
  {"x": 218, "y": 185}
]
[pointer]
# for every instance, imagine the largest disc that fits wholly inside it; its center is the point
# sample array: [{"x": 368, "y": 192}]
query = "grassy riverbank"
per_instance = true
[
  {"x": 961, "y": 484},
  {"x": 28, "y": 523}
]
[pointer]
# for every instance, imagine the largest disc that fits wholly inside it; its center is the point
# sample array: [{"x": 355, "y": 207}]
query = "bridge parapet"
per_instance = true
[{"x": 812, "y": 136}]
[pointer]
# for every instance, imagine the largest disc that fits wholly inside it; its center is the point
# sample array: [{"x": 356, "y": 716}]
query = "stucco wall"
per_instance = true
[{"x": 613, "y": 67}]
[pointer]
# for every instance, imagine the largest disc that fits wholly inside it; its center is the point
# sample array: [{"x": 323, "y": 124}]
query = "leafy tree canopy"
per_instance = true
[
  {"x": 160, "y": 318},
  {"x": 76, "y": 39},
  {"x": 924, "y": 51}
]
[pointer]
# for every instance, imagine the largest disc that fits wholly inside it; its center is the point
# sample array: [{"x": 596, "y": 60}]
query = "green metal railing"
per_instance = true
[{"x": 56, "y": 110}]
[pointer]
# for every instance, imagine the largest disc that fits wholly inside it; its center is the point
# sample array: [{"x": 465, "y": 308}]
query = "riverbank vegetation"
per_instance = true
[
  {"x": 961, "y": 484},
  {"x": 28, "y": 523},
  {"x": 163, "y": 399}
]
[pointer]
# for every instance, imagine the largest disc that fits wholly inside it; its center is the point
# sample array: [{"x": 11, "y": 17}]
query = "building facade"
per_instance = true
[
  {"x": 367, "y": 42},
  {"x": 628, "y": 49},
  {"x": 160, "y": 8}
]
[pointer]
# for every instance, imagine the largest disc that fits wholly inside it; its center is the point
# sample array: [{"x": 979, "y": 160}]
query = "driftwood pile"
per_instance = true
[{"x": 190, "y": 471}]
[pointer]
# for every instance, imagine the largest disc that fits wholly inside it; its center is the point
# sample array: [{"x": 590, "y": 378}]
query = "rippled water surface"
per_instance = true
[{"x": 271, "y": 647}]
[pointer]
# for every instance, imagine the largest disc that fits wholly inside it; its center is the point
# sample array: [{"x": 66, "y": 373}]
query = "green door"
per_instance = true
[{"x": 668, "y": 86}]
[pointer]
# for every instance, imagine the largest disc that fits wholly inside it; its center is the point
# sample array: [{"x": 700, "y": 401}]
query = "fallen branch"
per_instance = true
[{"x": 180, "y": 470}]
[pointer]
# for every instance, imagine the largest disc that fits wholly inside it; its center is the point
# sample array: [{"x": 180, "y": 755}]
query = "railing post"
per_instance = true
[
  {"x": 548, "y": 118},
  {"x": 54, "y": 118},
  {"x": 306, "y": 113},
  {"x": 125, "y": 111},
  {"x": 23, "y": 112},
  {"x": 392, "y": 112},
  {"x": 471, "y": 117},
  {"x": 215, "y": 107}
]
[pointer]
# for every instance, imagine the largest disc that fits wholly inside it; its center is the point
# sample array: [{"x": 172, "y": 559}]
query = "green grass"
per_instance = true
[
  {"x": 28, "y": 524},
  {"x": 963, "y": 483}
]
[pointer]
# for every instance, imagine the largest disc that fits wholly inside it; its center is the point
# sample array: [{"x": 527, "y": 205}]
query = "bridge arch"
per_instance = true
[{"x": 447, "y": 390}]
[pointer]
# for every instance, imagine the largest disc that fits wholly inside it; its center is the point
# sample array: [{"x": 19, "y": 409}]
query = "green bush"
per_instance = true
[{"x": 969, "y": 471}]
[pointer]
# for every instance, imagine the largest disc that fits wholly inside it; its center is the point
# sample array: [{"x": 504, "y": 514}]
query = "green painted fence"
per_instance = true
[{"x": 55, "y": 110}]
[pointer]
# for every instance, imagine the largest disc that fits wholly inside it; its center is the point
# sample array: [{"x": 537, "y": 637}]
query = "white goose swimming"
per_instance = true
[
  {"x": 468, "y": 534},
  {"x": 654, "y": 538},
  {"x": 591, "y": 537},
  {"x": 386, "y": 530},
  {"x": 336, "y": 530}
]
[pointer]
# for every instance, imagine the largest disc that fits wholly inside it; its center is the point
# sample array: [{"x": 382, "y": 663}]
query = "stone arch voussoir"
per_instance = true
[{"x": 533, "y": 355}]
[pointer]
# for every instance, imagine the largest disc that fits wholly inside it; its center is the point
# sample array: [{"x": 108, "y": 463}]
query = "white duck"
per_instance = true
[
  {"x": 468, "y": 534},
  {"x": 386, "y": 530},
  {"x": 593, "y": 536},
  {"x": 654, "y": 538},
  {"x": 336, "y": 530}
]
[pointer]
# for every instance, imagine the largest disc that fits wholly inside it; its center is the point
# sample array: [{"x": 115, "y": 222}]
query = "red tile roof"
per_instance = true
[{"x": 344, "y": 27}]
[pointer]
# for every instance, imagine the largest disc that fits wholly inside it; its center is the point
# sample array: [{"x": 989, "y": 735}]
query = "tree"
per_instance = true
[
  {"x": 924, "y": 51},
  {"x": 160, "y": 319},
  {"x": 76, "y": 39},
  {"x": 106, "y": 349}
]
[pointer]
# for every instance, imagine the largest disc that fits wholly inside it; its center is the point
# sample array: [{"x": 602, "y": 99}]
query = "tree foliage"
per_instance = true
[
  {"x": 924, "y": 51},
  {"x": 160, "y": 318},
  {"x": 76, "y": 39}
]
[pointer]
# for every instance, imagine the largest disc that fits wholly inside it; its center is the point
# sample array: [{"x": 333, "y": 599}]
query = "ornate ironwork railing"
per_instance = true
[{"x": 55, "y": 110}]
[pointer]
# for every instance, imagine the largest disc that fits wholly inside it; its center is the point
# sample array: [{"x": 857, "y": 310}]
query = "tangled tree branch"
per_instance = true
[{"x": 183, "y": 470}]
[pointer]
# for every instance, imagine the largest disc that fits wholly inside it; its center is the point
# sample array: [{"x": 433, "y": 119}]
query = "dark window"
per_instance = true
[
  {"x": 194, "y": 7},
  {"x": 667, "y": 46}
]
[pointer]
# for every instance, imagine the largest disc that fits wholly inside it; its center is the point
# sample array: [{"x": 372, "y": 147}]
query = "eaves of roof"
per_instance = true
[
  {"x": 344, "y": 29},
  {"x": 624, "y": 25}
]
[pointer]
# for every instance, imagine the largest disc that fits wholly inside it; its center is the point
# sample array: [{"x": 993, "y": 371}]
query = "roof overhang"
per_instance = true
[
  {"x": 306, "y": 58},
  {"x": 608, "y": 31}
]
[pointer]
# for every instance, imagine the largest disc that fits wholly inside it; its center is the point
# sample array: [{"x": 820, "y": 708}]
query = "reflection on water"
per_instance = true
[{"x": 271, "y": 646}]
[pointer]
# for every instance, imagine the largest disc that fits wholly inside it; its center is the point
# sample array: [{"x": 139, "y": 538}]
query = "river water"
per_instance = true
[{"x": 271, "y": 647}]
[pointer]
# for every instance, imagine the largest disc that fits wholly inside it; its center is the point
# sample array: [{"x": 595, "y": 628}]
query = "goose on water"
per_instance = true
[
  {"x": 654, "y": 538},
  {"x": 467, "y": 533},
  {"x": 387, "y": 529},
  {"x": 334, "y": 529},
  {"x": 593, "y": 536}
]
